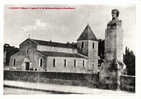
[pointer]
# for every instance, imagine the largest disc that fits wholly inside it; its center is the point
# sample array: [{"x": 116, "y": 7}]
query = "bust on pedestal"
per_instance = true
[{"x": 113, "y": 65}]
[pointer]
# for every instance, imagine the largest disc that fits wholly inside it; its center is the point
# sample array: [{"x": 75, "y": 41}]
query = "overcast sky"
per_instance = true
[{"x": 65, "y": 25}]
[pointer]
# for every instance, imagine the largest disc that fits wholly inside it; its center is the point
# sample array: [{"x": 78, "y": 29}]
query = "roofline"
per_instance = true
[
  {"x": 47, "y": 41},
  {"x": 88, "y": 40},
  {"x": 90, "y": 30},
  {"x": 26, "y": 40},
  {"x": 82, "y": 56}
]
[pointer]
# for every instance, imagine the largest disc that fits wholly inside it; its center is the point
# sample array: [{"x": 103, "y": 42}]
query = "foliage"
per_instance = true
[
  {"x": 9, "y": 50},
  {"x": 101, "y": 51},
  {"x": 101, "y": 48},
  {"x": 129, "y": 60}
]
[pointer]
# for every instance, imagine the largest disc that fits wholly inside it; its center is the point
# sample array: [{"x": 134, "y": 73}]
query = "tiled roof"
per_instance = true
[
  {"x": 87, "y": 34},
  {"x": 55, "y": 44},
  {"x": 61, "y": 54}
]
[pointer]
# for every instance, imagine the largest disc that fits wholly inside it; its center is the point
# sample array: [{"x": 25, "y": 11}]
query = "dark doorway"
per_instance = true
[{"x": 27, "y": 64}]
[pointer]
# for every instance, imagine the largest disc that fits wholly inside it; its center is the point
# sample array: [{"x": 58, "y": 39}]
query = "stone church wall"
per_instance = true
[
  {"x": 60, "y": 67},
  {"x": 28, "y": 53},
  {"x": 83, "y": 50},
  {"x": 93, "y": 56},
  {"x": 91, "y": 51}
]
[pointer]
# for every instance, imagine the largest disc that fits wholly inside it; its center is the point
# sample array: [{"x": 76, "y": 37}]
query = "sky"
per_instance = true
[{"x": 65, "y": 25}]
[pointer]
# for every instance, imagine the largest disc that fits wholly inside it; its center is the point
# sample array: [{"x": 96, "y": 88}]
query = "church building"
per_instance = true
[{"x": 49, "y": 56}]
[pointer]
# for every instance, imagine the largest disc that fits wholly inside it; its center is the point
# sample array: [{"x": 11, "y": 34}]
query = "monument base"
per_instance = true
[{"x": 109, "y": 75}]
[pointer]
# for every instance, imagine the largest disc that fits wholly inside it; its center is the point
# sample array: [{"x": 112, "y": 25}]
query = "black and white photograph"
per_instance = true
[{"x": 69, "y": 49}]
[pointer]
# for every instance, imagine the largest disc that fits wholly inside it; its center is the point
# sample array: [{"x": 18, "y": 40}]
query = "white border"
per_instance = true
[{"x": 107, "y": 2}]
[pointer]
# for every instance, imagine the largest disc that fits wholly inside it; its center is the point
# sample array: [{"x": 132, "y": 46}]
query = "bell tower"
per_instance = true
[{"x": 87, "y": 45}]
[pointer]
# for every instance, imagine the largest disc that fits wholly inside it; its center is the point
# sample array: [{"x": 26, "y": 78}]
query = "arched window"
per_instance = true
[
  {"x": 65, "y": 63},
  {"x": 74, "y": 63},
  {"x": 93, "y": 45},
  {"x": 82, "y": 46},
  {"x": 54, "y": 62},
  {"x": 83, "y": 63},
  {"x": 14, "y": 62},
  {"x": 41, "y": 62}
]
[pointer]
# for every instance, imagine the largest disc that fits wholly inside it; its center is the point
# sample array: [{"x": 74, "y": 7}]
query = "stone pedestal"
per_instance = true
[{"x": 110, "y": 74}]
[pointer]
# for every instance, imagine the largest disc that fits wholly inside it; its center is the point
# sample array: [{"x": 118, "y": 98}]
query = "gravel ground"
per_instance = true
[
  {"x": 42, "y": 88},
  {"x": 18, "y": 91}
]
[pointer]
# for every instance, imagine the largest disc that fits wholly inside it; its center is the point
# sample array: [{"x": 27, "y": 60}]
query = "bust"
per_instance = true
[
  {"x": 115, "y": 21},
  {"x": 115, "y": 14}
]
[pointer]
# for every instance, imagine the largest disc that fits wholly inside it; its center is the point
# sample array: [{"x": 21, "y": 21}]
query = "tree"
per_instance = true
[
  {"x": 9, "y": 51},
  {"x": 101, "y": 49},
  {"x": 129, "y": 60}
]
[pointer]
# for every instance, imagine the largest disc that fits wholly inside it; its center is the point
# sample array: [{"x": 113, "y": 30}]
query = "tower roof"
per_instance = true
[{"x": 87, "y": 34}]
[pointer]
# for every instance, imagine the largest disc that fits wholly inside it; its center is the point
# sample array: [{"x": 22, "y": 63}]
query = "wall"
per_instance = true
[
  {"x": 59, "y": 65},
  {"x": 127, "y": 83},
  {"x": 33, "y": 58},
  {"x": 91, "y": 52},
  {"x": 83, "y": 50},
  {"x": 78, "y": 79},
  {"x": 56, "y": 49},
  {"x": 93, "y": 55},
  {"x": 28, "y": 53},
  {"x": 19, "y": 58}
]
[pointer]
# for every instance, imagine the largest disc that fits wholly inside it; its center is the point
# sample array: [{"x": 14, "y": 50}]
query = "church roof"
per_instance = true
[
  {"x": 62, "y": 54},
  {"x": 55, "y": 44},
  {"x": 87, "y": 34}
]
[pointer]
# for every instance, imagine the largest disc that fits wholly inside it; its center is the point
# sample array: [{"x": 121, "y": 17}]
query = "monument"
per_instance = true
[{"x": 113, "y": 65}]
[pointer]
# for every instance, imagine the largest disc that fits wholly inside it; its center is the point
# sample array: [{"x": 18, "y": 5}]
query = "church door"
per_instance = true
[{"x": 27, "y": 64}]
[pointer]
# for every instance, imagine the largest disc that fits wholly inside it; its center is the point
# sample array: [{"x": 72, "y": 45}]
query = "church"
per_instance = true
[{"x": 49, "y": 56}]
